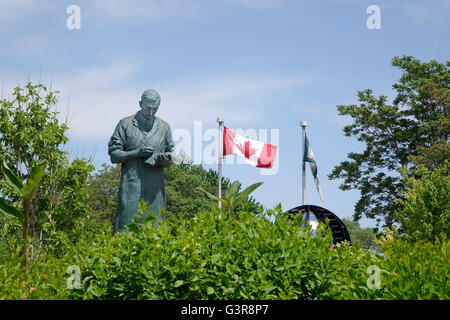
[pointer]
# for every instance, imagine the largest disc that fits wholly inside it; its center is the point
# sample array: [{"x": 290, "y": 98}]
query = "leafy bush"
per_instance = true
[
  {"x": 215, "y": 256},
  {"x": 211, "y": 257},
  {"x": 406, "y": 271},
  {"x": 45, "y": 279},
  {"x": 416, "y": 270}
]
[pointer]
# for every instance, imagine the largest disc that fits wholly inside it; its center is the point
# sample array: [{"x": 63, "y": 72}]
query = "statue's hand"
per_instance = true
[
  {"x": 152, "y": 160},
  {"x": 162, "y": 160},
  {"x": 145, "y": 152}
]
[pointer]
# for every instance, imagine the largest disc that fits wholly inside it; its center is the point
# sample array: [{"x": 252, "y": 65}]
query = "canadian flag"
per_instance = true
[{"x": 256, "y": 153}]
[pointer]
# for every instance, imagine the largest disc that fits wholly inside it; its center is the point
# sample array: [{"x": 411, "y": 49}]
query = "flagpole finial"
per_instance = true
[
  {"x": 303, "y": 123},
  {"x": 220, "y": 119}
]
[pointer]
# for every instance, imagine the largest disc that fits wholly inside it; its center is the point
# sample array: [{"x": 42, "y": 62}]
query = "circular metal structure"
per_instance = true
[{"x": 315, "y": 213}]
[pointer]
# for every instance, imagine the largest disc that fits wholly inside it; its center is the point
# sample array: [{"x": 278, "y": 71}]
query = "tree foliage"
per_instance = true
[
  {"x": 103, "y": 193},
  {"x": 30, "y": 135},
  {"x": 365, "y": 236},
  {"x": 413, "y": 129},
  {"x": 425, "y": 204},
  {"x": 30, "y": 131},
  {"x": 183, "y": 197}
]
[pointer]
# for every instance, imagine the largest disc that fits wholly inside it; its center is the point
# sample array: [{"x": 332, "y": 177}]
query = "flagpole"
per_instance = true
[
  {"x": 303, "y": 124},
  {"x": 220, "y": 121}
]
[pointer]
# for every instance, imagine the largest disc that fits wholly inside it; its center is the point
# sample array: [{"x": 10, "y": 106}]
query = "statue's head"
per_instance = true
[{"x": 149, "y": 103}]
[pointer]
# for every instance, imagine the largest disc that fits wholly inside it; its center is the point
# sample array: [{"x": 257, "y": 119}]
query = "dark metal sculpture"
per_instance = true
[
  {"x": 338, "y": 230},
  {"x": 143, "y": 144}
]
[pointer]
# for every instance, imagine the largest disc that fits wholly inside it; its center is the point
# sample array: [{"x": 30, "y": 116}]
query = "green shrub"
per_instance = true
[
  {"x": 407, "y": 271},
  {"x": 417, "y": 270},
  {"x": 211, "y": 257},
  {"x": 217, "y": 257},
  {"x": 45, "y": 279}
]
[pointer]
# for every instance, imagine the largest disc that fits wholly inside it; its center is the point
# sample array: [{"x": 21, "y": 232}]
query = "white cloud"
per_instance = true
[
  {"x": 100, "y": 97},
  {"x": 240, "y": 98}
]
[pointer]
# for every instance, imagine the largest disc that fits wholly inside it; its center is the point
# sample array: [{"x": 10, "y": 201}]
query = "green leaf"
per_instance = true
[
  {"x": 208, "y": 194},
  {"x": 244, "y": 194},
  {"x": 215, "y": 258},
  {"x": 117, "y": 261},
  {"x": 178, "y": 283},
  {"x": 210, "y": 290},
  {"x": 268, "y": 287},
  {"x": 132, "y": 228},
  {"x": 10, "y": 211},
  {"x": 30, "y": 188},
  {"x": 213, "y": 197},
  {"x": 243, "y": 294},
  {"x": 12, "y": 180},
  {"x": 232, "y": 190}
]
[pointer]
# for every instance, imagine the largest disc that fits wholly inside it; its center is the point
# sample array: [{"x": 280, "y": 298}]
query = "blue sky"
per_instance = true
[{"x": 264, "y": 64}]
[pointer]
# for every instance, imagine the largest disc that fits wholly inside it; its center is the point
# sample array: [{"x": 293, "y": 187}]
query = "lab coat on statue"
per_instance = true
[{"x": 141, "y": 178}]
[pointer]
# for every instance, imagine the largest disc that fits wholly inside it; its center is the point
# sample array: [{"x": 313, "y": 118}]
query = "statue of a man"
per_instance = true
[{"x": 143, "y": 144}]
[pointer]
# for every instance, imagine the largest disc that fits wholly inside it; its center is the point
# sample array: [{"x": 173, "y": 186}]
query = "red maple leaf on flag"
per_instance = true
[{"x": 246, "y": 149}]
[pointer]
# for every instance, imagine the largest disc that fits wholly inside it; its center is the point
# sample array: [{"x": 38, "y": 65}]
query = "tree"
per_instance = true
[
  {"x": 432, "y": 154},
  {"x": 30, "y": 130},
  {"x": 396, "y": 135},
  {"x": 425, "y": 206},
  {"x": 358, "y": 234},
  {"x": 31, "y": 134},
  {"x": 103, "y": 193},
  {"x": 62, "y": 207},
  {"x": 183, "y": 197}
]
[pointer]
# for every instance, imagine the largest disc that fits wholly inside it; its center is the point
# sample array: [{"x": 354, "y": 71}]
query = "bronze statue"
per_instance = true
[{"x": 143, "y": 144}]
